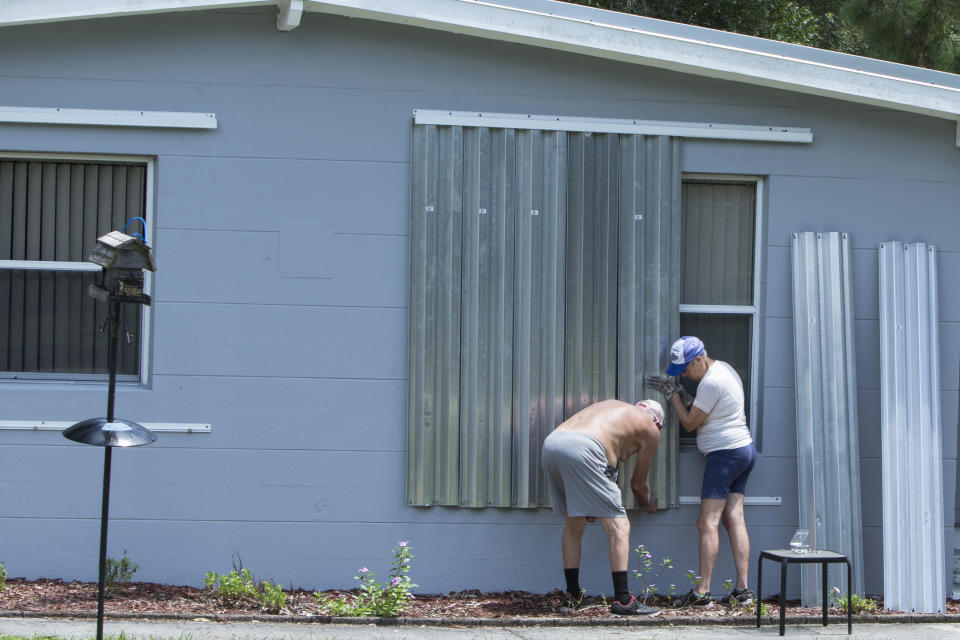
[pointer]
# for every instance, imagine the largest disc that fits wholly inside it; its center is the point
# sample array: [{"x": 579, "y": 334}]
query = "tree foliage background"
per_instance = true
[{"x": 923, "y": 33}]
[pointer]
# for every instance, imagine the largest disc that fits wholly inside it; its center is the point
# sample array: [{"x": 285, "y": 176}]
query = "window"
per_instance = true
[
  {"x": 544, "y": 271},
  {"x": 51, "y": 213},
  {"x": 719, "y": 275}
]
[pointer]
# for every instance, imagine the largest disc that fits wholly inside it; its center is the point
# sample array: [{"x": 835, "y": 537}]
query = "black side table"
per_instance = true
[{"x": 818, "y": 556}]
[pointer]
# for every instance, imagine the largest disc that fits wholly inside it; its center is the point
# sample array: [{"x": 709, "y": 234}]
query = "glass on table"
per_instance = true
[{"x": 798, "y": 543}]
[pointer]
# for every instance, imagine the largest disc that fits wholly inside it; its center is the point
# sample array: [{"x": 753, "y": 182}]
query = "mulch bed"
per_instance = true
[{"x": 59, "y": 598}]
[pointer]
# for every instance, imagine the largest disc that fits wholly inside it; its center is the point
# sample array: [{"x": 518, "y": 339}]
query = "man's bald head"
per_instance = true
[{"x": 654, "y": 409}]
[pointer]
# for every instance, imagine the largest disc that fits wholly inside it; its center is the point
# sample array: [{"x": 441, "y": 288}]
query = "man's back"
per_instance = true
[{"x": 620, "y": 427}]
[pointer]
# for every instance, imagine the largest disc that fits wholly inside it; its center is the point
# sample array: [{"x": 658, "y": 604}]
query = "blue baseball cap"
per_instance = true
[{"x": 683, "y": 352}]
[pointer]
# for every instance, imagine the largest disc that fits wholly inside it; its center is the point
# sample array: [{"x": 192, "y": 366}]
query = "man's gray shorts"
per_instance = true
[{"x": 576, "y": 468}]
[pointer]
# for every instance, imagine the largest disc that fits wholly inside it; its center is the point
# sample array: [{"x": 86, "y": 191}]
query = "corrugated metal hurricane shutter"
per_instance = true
[
  {"x": 486, "y": 361},
  {"x": 913, "y": 537},
  {"x": 591, "y": 310},
  {"x": 538, "y": 307},
  {"x": 649, "y": 292},
  {"x": 828, "y": 453},
  {"x": 434, "y": 335},
  {"x": 514, "y": 322}
]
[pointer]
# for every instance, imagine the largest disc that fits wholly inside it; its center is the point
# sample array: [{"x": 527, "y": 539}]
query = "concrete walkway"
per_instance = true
[{"x": 189, "y": 630}]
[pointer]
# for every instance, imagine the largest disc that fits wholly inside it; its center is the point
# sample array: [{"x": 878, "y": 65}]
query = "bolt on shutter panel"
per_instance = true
[
  {"x": 434, "y": 332},
  {"x": 538, "y": 306},
  {"x": 487, "y": 317},
  {"x": 912, "y": 458},
  {"x": 531, "y": 292},
  {"x": 591, "y": 275},
  {"x": 828, "y": 452},
  {"x": 649, "y": 290}
]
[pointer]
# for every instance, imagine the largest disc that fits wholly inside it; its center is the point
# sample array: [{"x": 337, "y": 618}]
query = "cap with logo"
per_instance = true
[{"x": 683, "y": 352}]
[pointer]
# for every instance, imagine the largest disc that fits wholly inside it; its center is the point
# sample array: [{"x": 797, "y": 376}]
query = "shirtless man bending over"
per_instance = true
[{"x": 580, "y": 459}]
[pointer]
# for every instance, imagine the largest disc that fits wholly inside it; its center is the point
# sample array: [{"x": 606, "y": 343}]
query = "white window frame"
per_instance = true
[
  {"x": 50, "y": 265},
  {"x": 741, "y": 310}
]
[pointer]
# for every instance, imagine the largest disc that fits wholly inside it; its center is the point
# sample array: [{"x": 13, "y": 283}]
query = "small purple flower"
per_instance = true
[
  {"x": 412, "y": 597},
  {"x": 635, "y": 572},
  {"x": 363, "y": 569},
  {"x": 394, "y": 582},
  {"x": 402, "y": 543}
]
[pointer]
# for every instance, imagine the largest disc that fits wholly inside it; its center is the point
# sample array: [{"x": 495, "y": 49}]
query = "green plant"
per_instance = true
[
  {"x": 238, "y": 587},
  {"x": 3, "y": 577},
  {"x": 858, "y": 603},
  {"x": 373, "y": 598},
  {"x": 693, "y": 580},
  {"x": 120, "y": 571},
  {"x": 645, "y": 564}
]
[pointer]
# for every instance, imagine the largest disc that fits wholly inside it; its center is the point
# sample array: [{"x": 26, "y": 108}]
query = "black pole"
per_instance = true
[
  {"x": 113, "y": 347},
  {"x": 103, "y": 539},
  {"x": 112, "y": 357}
]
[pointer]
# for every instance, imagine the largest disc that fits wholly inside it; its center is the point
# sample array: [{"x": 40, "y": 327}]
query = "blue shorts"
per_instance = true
[{"x": 727, "y": 472}]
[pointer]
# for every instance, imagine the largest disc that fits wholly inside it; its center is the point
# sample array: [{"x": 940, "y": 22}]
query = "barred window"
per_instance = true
[{"x": 51, "y": 214}]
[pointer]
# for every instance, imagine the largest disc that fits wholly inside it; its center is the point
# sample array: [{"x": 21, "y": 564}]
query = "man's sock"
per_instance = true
[
  {"x": 620, "y": 590},
  {"x": 573, "y": 581}
]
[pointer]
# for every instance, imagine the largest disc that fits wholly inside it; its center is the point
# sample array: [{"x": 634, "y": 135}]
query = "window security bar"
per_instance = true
[{"x": 47, "y": 265}]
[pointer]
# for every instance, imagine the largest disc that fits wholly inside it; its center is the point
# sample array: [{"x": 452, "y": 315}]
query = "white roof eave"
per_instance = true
[
  {"x": 490, "y": 19},
  {"x": 17, "y": 12},
  {"x": 594, "y": 37}
]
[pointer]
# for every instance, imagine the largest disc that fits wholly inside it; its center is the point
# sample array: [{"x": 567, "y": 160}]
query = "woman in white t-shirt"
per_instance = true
[{"x": 723, "y": 436}]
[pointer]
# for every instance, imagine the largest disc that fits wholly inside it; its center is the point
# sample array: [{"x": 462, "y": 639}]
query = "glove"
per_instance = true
[
  {"x": 665, "y": 385},
  {"x": 668, "y": 386}
]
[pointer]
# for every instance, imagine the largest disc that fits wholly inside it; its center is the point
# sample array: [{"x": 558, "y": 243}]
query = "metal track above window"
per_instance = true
[{"x": 708, "y": 130}]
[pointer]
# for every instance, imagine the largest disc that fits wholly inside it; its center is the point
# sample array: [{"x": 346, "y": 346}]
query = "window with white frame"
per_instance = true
[
  {"x": 52, "y": 210},
  {"x": 719, "y": 275}
]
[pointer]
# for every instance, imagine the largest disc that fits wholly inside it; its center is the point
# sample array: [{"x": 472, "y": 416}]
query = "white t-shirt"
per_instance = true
[{"x": 720, "y": 396}]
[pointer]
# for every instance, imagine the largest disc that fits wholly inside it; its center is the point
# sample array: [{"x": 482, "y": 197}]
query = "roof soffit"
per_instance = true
[
  {"x": 491, "y": 19},
  {"x": 500, "y": 20}
]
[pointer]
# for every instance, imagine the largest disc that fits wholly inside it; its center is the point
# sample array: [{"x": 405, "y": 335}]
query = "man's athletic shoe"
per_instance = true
[
  {"x": 736, "y": 597},
  {"x": 632, "y": 608},
  {"x": 573, "y": 603},
  {"x": 694, "y": 599}
]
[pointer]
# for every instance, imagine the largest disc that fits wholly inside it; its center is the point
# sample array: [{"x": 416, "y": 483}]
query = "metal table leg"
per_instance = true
[
  {"x": 823, "y": 591},
  {"x": 783, "y": 590},
  {"x": 849, "y": 598},
  {"x": 759, "y": 587}
]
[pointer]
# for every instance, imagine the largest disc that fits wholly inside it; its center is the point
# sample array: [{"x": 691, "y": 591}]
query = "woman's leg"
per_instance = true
[
  {"x": 736, "y": 528},
  {"x": 708, "y": 525}
]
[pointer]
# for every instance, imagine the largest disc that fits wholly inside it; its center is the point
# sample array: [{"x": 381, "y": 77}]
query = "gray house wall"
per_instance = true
[{"x": 304, "y": 379}]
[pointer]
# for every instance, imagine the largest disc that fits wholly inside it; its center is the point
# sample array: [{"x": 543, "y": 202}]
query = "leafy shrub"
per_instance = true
[
  {"x": 239, "y": 587},
  {"x": 648, "y": 587},
  {"x": 374, "y": 599},
  {"x": 3, "y": 577},
  {"x": 120, "y": 571},
  {"x": 858, "y": 603}
]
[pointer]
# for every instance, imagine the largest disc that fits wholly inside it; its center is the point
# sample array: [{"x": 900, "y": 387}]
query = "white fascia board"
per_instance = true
[
  {"x": 610, "y": 125},
  {"x": 109, "y": 117},
  {"x": 14, "y": 12},
  {"x": 488, "y": 19},
  {"x": 50, "y": 425}
]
